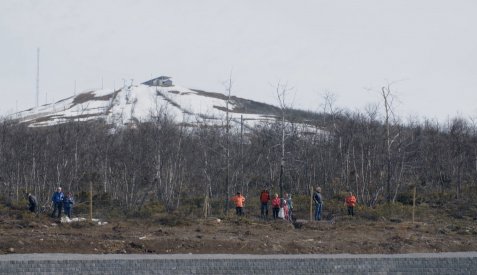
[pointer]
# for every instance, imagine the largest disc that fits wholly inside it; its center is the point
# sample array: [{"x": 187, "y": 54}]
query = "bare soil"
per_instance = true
[{"x": 22, "y": 232}]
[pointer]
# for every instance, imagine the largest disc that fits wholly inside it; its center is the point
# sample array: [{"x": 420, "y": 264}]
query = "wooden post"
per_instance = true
[
  {"x": 311, "y": 203},
  {"x": 91, "y": 201},
  {"x": 206, "y": 206},
  {"x": 413, "y": 202}
]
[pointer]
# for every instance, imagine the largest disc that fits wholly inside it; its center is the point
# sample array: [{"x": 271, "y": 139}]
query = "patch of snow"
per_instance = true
[
  {"x": 137, "y": 103},
  {"x": 72, "y": 220}
]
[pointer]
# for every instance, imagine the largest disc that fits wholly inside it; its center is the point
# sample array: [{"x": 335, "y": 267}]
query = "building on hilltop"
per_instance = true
[{"x": 162, "y": 81}]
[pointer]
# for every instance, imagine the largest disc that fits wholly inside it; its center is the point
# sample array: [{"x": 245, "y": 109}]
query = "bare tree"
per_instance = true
[
  {"x": 281, "y": 91},
  {"x": 228, "y": 89},
  {"x": 388, "y": 98}
]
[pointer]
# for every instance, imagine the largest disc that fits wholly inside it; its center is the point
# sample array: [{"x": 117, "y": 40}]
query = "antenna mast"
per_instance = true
[{"x": 37, "y": 75}]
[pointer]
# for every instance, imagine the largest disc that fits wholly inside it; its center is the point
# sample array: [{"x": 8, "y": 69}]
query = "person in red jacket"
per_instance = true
[
  {"x": 350, "y": 202},
  {"x": 239, "y": 202},
  {"x": 275, "y": 206},
  {"x": 264, "y": 199}
]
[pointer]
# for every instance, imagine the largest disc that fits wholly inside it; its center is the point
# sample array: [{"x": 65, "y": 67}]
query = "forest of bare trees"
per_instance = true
[{"x": 167, "y": 162}]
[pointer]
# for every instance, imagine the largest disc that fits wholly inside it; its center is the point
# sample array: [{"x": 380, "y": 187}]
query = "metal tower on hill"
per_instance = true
[{"x": 37, "y": 75}]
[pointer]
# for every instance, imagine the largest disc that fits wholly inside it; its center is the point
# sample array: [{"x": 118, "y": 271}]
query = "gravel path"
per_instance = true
[
  {"x": 419, "y": 263},
  {"x": 86, "y": 257}
]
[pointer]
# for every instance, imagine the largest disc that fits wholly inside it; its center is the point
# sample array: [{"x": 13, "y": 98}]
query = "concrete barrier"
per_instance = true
[{"x": 420, "y": 263}]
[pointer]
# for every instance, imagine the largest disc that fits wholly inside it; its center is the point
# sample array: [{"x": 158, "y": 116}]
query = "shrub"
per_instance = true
[
  {"x": 405, "y": 198},
  {"x": 149, "y": 210},
  {"x": 173, "y": 219},
  {"x": 340, "y": 196},
  {"x": 437, "y": 198},
  {"x": 389, "y": 211}
]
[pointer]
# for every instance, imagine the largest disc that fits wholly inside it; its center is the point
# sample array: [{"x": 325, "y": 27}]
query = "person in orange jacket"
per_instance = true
[
  {"x": 239, "y": 201},
  {"x": 350, "y": 202}
]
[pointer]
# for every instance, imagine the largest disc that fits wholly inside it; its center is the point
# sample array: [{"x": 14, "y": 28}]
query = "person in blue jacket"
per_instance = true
[
  {"x": 68, "y": 204},
  {"x": 57, "y": 200}
]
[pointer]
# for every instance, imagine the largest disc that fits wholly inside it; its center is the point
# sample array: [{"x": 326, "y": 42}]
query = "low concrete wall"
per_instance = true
[{"x": 440, "y": 263}]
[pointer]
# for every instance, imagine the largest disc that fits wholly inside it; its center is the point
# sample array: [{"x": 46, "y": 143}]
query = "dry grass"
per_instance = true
[{"x": 384, "y": 229}]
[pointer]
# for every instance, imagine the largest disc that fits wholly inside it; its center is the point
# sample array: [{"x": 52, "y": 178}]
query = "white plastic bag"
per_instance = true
[{"x": 281, "y": 213}]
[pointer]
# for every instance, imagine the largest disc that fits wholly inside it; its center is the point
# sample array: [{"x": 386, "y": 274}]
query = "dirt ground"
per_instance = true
[{"x": 22, "y": 232}]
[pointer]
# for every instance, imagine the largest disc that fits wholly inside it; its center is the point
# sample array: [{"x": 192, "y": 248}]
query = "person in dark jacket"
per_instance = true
[
  {"x": 264, "y": 199},
  {"x": 318, "y": 200},
  {"x": 32, "y": 203},
  {"x": 57, "y": 200},
  {"x": 68, "y": 204}
]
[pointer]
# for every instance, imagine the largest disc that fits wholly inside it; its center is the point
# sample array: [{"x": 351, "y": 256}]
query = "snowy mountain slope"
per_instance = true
[{"x": 137, "y": 103}]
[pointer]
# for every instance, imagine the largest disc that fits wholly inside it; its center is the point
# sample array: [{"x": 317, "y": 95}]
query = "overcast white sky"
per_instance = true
[{"x": 348, "y": 48}]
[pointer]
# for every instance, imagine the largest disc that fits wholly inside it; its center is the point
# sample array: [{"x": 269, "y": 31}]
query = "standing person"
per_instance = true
[
  {"x": 239, "y": 201},
  {"x": 283, "y": 209},
  {"x": 289, "y": 201},
  {"x": 264, "y": 199},
  {"x": 350, "y": 202},
  {"x": 275, "y": 206},
  {"x": 317, "y": 199},
  {"x": 57, "y": 200},
  {"x": 32, "y": 203},
  {"x": 68, "y": 204}
]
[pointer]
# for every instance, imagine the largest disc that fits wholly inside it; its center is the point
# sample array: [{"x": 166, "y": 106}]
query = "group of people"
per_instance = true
[
  {"x": 350, "y": 203},
  {"x": 282, "y": 208},
  {"x": 60, "y": 202}
]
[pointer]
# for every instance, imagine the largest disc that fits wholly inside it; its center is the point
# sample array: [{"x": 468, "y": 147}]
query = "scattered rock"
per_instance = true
[
  {"x": 443, "y": 231},
  {"x": 136, "y": 245},
  {"x": 298, "y": 225}
]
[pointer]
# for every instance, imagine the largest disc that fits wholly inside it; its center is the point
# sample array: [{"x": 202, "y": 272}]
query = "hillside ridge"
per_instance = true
[{"x": 137, "y": 103}]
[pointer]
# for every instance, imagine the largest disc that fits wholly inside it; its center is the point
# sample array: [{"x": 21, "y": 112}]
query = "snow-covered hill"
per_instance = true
[{"x": 136, "y": 103}]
